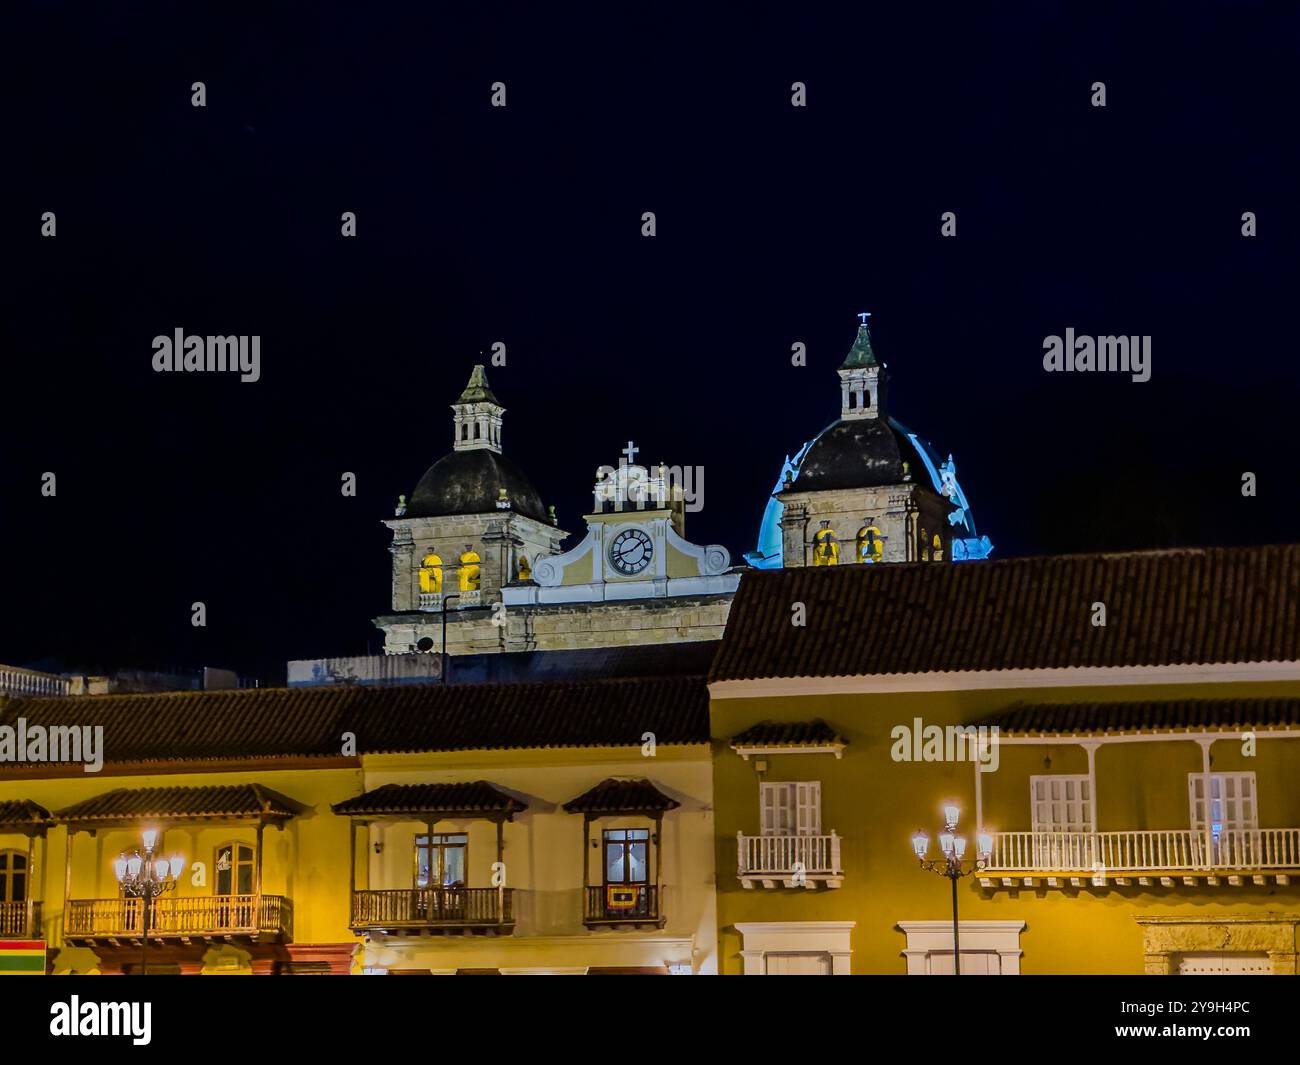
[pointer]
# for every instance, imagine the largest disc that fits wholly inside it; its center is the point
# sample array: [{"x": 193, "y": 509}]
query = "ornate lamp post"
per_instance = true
[
  {"x": 144, "y": 877},
  {"x": 953, "y": 863}
]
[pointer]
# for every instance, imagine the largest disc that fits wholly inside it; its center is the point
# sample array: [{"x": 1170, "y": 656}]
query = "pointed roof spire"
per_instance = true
[
  {"x": 478, "y": 391},
  {"x": 861, "y": 355}
]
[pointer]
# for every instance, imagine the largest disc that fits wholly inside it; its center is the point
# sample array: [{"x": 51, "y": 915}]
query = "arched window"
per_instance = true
[
  {"x": 234, "y": 869},
  {"x": 431, "y": 574},
  {"x": 469, "y": 571},
  {"x": 13, "y": 876},
  {"x": 937, "y": 554},
  {"x": 826, "y": 551},
  {"x": 525, "y": 570},
  {"x": 871, "y": 544}
]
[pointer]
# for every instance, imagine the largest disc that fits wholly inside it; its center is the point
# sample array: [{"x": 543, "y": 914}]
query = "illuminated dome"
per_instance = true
[
  {"x": 866, "y": 448},
  {"x": 471, "y": 478}
]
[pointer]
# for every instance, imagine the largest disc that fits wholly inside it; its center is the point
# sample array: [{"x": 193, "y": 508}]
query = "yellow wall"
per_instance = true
[
  {"x": 876, "y": 804},
  {"x": 308, "y": 860},
  {"x": 544, "y": 855}
]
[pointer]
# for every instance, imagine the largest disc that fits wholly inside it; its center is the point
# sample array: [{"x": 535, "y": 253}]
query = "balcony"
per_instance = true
[
  {"x": 622, "y": 905},
  {"x": 20, "y": 920},
  {"x": 789, "y": 861},
  {"x": 1163, "y": 856},
  {"x": 434, "y": 911},
  {"x": 207, "y": 917},
  {"x": 432, "y": 601}
]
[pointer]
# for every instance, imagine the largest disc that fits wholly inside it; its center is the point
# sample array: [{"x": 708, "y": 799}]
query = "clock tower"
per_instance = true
[{"x": 635, "y": 548}]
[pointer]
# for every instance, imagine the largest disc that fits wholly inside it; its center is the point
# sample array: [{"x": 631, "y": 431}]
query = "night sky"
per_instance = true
[{"x": 522, "y": 225}]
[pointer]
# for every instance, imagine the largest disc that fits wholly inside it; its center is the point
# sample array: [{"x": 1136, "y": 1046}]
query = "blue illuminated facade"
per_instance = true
[{"x": 861, "y": 371}]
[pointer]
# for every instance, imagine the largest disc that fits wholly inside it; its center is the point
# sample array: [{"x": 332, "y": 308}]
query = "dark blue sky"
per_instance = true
[{"x": 476, "y": 224}]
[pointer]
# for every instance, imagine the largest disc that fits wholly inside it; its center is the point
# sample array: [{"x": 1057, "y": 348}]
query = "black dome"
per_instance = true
[
  {"x": 859, "y": 453},
  {"x": 469, "y": 482}
]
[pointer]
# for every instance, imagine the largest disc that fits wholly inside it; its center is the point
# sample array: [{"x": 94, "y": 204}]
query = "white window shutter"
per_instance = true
[
  {"x": 808, "y": 798},
  {"x": 767, "y": 809}
]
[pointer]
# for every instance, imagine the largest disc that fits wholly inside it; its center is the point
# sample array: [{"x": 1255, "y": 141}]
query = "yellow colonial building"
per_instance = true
[
  {"x": 1118, "y": 736},
  {"x": 478, "y": 828}
]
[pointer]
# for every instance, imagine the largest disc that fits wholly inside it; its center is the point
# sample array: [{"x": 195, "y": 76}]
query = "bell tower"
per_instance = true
[
  {"x": 478, "y": 416},
  {"x": 861, "y": 377}
]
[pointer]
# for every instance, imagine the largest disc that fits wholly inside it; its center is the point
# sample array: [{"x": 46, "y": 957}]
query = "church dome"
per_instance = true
[
  {"x": 860, "y": 453},
  {"x": 470, "y": 482}
]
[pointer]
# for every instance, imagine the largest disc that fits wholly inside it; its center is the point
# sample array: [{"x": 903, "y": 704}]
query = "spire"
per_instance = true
[
  {"x": 478, "y": 391},
  {"x": 860, "y": 356},
  {"x": 478, "y": 416},
  {"x": 862, "y": 383}
]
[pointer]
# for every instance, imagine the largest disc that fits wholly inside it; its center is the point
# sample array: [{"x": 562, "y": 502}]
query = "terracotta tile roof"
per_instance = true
[
  {"x": 226, "y": 803},
  {"x": 1185, "y": 606},
  {"x": 19, "y": 815},
  {"x": 391, "y": 799},
  {"x": 1211, "y": 715},
  {"x": 296, "y": 723},
  {"x": 788, "y": 734},
  {"x": 613, "y": 796}
]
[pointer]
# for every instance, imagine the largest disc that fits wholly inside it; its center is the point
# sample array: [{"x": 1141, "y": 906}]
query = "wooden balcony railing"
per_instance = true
[
  {"x": 783, "y": 856},
  {"x": 177, "y": 917},
  {"x": 20, "y": 920},
  {"x": 615, "y": 904},
  {"x": 1161, "y": 850},
  {"x": 433, "y": 909}
]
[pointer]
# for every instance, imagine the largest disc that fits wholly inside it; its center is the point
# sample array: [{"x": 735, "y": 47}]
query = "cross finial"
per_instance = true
[
  {"x": 630, "y": 451},
  {"x": 864, "y": 316}
]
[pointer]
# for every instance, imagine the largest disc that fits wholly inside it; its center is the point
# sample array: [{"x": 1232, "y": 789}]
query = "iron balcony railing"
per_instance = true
[
  {"x": 1151, "y": 851},
  {"x": 433, "y": 908},
  {"x": 20, "y": 920},
  {"x": 175, "y": 916},
  {"x": 621, "y": 903}
]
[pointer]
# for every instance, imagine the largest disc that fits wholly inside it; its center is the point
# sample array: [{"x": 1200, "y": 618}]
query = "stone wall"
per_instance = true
[
  {"x": 565, "y": 626},
  {"x": 901, "y": 512}
]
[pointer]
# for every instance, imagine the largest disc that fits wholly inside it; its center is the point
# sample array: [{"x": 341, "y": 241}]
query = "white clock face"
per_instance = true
[{"x": 630, "y": 552}]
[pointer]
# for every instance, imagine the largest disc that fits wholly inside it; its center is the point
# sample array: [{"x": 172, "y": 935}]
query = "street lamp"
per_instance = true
[
  {"x": 145, "y": 877},
  {"x": 952, "y": 863}
]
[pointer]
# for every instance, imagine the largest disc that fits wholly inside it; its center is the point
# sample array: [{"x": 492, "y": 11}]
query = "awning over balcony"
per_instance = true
[
  {"x": 1151, "y": 717},
  {"x": 129, "y": 806},
  {"x": 23, "y": 815},
  {"x": 788, "y": 737},
  {"x": 630, "y": 797},
  {"x": 422, "y": 802}
]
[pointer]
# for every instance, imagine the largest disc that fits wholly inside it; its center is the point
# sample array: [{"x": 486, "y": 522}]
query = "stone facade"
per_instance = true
[
  {"x": 562, "y": 626},
  {"x": 1167, "y": 940},
  {"x": 908, "y": 515},
  {"x": 501, "y": 540}
]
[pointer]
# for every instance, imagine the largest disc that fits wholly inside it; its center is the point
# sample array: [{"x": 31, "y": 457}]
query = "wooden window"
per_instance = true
[
  {"x": 234, "y": 868},
  {"x": 790, "y": 809},
  {"x": 1060, "y": 803},
  {"x": 1232, "y": 801},
  {"x": 627, "y": 855},
  {"x": 13, "y": 876},
  {"x": 442, "y": 862}
]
